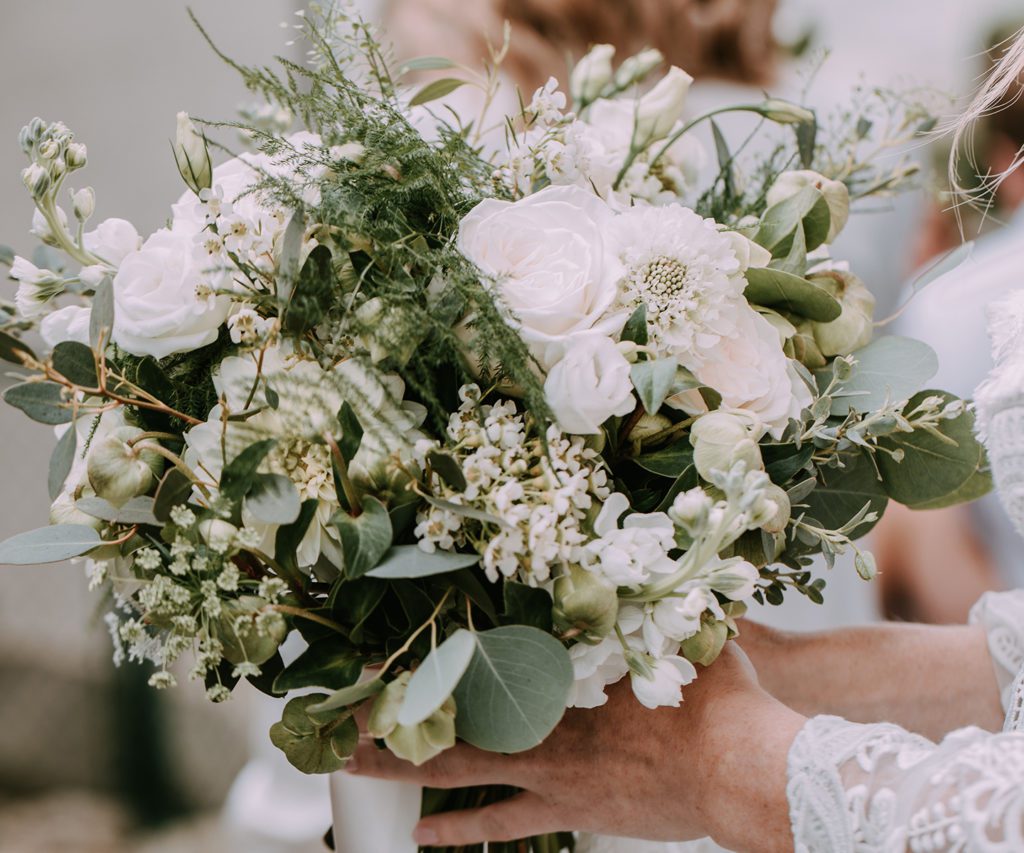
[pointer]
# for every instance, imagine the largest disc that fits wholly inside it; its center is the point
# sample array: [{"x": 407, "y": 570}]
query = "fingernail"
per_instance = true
[{"x": 425, "y": 836}]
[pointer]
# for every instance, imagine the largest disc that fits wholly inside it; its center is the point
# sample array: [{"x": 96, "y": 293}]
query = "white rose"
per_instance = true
[
  {"x": 837, "y": 197},
  {"x": 750, "y": 370},
  {"x": 160, "y": 308},
  {"x": 658, "y": 111},
  {"x": 547, "y": 256},
  {"x": 66, "y": 324},
  {"x": 589, "y": 384},
  {"x": 112, "y": 240}
]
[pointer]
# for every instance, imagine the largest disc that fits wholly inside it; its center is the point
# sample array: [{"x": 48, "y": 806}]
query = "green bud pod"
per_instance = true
[
  {"x": 585, "y": 603},
  {"x": 192, "y": 156},
  {"x": 706, "y": 645},
  {"x": 119, "y": 471}
]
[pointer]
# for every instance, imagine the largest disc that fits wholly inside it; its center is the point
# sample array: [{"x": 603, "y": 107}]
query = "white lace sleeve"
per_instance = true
[{"x": 865, "y": 788}]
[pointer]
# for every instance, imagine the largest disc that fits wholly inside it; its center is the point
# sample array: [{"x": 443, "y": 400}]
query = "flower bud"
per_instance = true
[
  {"x": 416, "y": 744},
  {"x": 49, "y": 149},
  {"x": 591, "y": 74},
  {"x": 648, "y": 425},
  {"x": 634, "y": 69},
  {"x": 84, "y": 203},
  {"x": 658, "y": 111},
  {"x": 804, "y": 348},
  {"x": 784, "y": 112},
  {"x": 854, "y": 327},
  {"x": 864, "y": 563},
  {"x": 64, "y": 510},
  {"x": 119, "y": 471},
  {"x": 776, "y": 521},
  {"x": 37, "y": 180},
  {"x": 690, "y": 509},
  {"x": 721, "y": 439},
  {"x": 217, "y": 534},
  {"x": 585, "y": 603},
  {"x": 706, "y": 645},
  {"x": 192, "y": 156},
  {"x": 248, "y": 630},
  {"x": 76, "y": 156},
  {"x": 836, "y": 195}
]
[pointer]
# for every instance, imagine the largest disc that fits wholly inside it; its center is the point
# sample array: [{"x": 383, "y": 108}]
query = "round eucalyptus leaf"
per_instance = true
[
  {"x": 889, "y": 367},
  {"x": 273, "y": 499},
  {"x": 436, "y": 678}
]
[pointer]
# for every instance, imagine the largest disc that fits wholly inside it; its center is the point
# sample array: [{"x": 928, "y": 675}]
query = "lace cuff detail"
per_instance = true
[{"x": 1001, "y": 614}]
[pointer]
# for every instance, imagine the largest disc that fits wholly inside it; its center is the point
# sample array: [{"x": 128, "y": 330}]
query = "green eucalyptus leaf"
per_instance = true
[
  {"x": 312, "y": 293},
  {"x": 515, "y": 690},
  {"x": 174, "y": 490},
  {"x": 351, "y": 432},
  {"x": 889, "y": 367},
  {"x": 780, "y": 221},
  {"x": 138, "y": 510},
  {"x": 49, "y": 545},
  {"x": 934, "y": 473},
  {"x": 364, "y": 538},
  {"x": 291, "y": 252},
  {"x": 273, "y": 499},
  {"x": 435, "y": 679},
  {"x": 329, "y": 662},
  {"x": 239, "y": 475},
  {"x": 310, "y": 745},
  {"x": 61, "y": 461},
  {"x": 42, "y": 401},
  {"x": 411, "y": 561},
  {"x": 436, "y": 89},
  {"x": 12, "y": 348},
  {"x": 76, "y": 363},
  {"x": 653, "y": 381},
  {"x": 349, "y": 695},
  {"x": 101, "y": 316},
  {"x": 784, "y": 291},
  {"x": 796, "y": 261},
  {"x": 843, "y": 492}
]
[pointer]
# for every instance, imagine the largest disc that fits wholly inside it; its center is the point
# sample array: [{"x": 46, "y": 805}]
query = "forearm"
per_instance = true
[{"x": 928, "y": 679}]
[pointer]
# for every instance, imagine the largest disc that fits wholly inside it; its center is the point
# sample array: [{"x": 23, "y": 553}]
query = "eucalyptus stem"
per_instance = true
[
  {"x": 312, "y": 617},
  {"x": 178, "y": 463}
]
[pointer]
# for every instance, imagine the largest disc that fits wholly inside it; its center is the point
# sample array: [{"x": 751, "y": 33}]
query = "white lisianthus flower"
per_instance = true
[
  {"x": 687, "y": 274},
  {"x": 36, "y": 288},
  {"x": 589, "y": 384},
  {"x": 658, "y": 111},
  {"x": 629, "y": 555},
  {"x": 592, "y": 73},
  {"x": 751, "y": 372},
  {"x": 662, "y": 685},
  {"x": 547, "y": 257},
  {"x": 837, "y": 196},
  {"x": 65, "y": 324},
  {"x": 164, "y": 303}
]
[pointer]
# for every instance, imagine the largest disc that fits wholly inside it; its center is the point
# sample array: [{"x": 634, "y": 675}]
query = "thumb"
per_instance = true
[{"x": 521, "y": 816}]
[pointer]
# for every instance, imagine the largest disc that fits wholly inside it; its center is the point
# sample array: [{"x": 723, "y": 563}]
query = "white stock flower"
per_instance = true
[
  {"x": 36, "y": 287},
  {"x": 589, "y": 384},
  {"x": 594, "y": 668},
  {"x": 65, "y": 324},
  {"x": 164, "y": 303},
  {"x": 547, "y": 257},
  {"x": 658, "y": 111},
  {"x": 662, "y": 686},
  {"x": 629, "y": 555}
]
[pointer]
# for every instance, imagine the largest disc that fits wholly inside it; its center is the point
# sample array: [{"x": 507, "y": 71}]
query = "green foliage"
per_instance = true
[
  {"x": 329, "y": 662},
  {"x": 784, "y": 291},
  {"x": 842, "y": 493},
  {"x": 49, "y": 545},
  {"x": 411, "y": 561},
  {"x": 44, "y": 402},
  {"x": 888, "y": 369},
  {"x": 61, "y": 460},
  {"x": 365, "y": 538},
  {"x": 314, "y": 742},
  {"x": 436, "y": 678}
]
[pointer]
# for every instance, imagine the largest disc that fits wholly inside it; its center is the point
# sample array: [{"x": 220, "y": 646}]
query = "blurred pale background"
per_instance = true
[{"x": 86, "y": 753}]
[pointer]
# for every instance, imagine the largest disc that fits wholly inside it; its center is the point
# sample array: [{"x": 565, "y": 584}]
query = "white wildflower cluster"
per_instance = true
[{"x": 529, "y": 503}]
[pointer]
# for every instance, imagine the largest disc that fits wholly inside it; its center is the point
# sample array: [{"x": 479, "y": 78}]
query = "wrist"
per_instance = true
[{"x": 743, "y": 800}]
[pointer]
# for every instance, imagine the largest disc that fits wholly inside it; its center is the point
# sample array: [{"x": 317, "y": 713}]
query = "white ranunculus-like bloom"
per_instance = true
[
  {"x": 589, "y": 384},
  {"x": 112, "y": 240},
  {"x": 658, "y": 111},
  {"x": 629, "y": 555},
  {"x": 751, "y": 372},
  {"x": 687, "y": 274},
  {"x": 663, "y": 688},
  {"x": 164, "y": 303},
  {"x": 65, "y": 324},
  {"x": 837, "y": 196},
  {"x": 547, "y": 257}
]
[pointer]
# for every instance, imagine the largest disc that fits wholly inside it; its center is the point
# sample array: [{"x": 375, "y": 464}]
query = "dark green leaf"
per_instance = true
[
  {"x": 10, "y": 347},
  {"x": 76, "y": 363},
  {"x": 269, "y": 670},
  {"x": 351, "y": 432},
  {"x": 329, "y": 663},
  {"x": 365, "y": 538},
  {"x": 806, "y": 137},
  {"x": 724, "y": 158},
  {"x": 843, "y": 492},
  {"x": 670, "y": 461},
  {"x": 290, "y": 536},
  {"x": 527, "y": 605},
  {"x": 174, "y": 490},
  {"x": 411, "y": 561},
  {"x": 635, "y": 329},
  {"x": 291, "y": 251},
  {"x": 687, "y": 479},
  {"x": 273, "y": 499},
  {"x": 239, "y": 475},
  {"x": 515, "y": 689},
  {"x": 49, "y": 545},
  {"x": 784, "y": 291},
  {"x": 448, "y": 469},
  {"x": 783, "y": 461},
  {"x": 61, "y": 460},
  {"x": 42, "y": 401},
  {"x": 436, "y": 89},
  {"x": 312, "y": 293},
  {"x": 101, "y": 317},
  {"x": 310, "y": 744}
]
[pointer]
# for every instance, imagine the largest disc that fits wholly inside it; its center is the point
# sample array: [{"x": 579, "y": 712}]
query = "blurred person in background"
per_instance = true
[{"x": 974, "y": 543}]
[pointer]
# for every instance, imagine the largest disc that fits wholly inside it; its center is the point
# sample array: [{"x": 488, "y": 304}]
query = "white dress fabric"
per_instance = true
[{"x": 865, "y": 788}]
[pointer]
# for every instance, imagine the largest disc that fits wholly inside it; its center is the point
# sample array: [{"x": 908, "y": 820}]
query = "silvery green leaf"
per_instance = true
[
  {"x": 76, "y": 363},
  {"x": 349, "y": 695},
  {"x": 291, "y": 251},
  {"x": 42, "y": 401},
  {"x": 635, "y": 329},
  {"x": 411, "y": 561},
  {"x": 138, "y": 510},
  {"x": 174, "y": 489},
  {"x": 435, "y": 679},
  {"x": 426, "y": 63},
  {"x": 801, "y": 490},
  {"x": 311, "y": 743},
  {"x": 12, "y": 348},
  {"x": 49, "y": 544},
  {"x": 61, "y": 460},
  {"x": 780, "y": 221},
  {"x": 890, "y": 368},
  {"x": 448, "y": 469},
  {"x": 784, "y": 291},
  {"x": 653, "y": 381},
  {"x": 273, "y": 499},
  {"x": 101, "y": 317},
  {"x": 436, "y": 89},
  {"x": 844, "y": 494},
  {"x": 515, "y": 690}
]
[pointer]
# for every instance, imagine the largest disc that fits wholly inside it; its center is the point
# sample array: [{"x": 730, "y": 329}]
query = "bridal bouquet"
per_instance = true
[{"x": 492, "y": 413}]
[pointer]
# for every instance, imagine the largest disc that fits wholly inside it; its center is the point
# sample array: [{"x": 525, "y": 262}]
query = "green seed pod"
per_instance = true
[
  {"x": 119, "y": 471},
  {"x": 585, "y": 603}
]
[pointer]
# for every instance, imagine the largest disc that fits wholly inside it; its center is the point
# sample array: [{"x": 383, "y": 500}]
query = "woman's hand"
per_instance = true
[{"x": 715, "y": 766}]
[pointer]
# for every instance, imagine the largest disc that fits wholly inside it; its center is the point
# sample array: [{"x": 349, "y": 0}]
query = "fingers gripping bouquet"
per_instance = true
[{"x": 491, "y": 427}]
